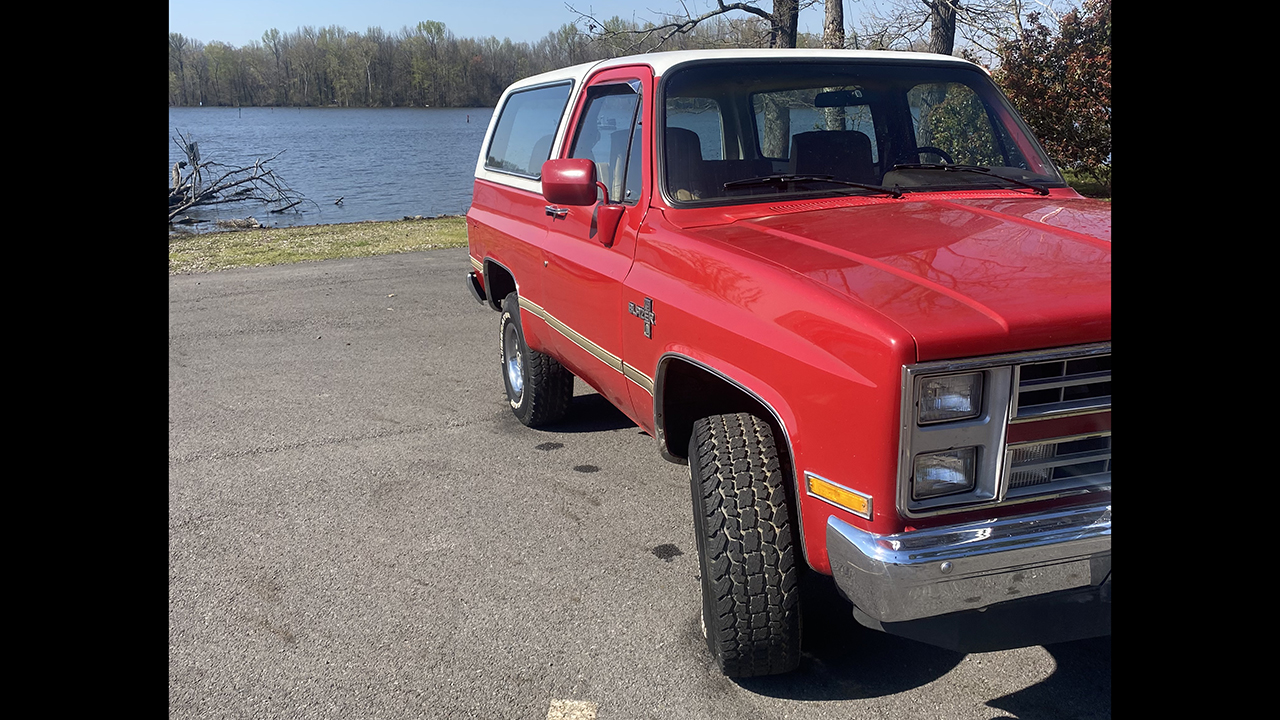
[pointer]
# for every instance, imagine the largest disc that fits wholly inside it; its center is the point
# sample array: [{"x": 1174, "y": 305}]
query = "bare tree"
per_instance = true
[
  {"x": 251, "y": 183},
  {"x": 902, "y": 25},
  {"x": 942, "y": 25},
  {"x": 783, "y": 20},
  {"x": 935, "y": 25},
  {"x": 178, "y": 46}
]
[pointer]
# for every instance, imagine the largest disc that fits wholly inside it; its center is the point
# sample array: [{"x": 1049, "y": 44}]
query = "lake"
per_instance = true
[{"x": 385, "y": 163}]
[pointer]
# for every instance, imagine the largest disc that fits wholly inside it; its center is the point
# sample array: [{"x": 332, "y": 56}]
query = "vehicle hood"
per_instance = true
[{"x": 963, "y": 276}]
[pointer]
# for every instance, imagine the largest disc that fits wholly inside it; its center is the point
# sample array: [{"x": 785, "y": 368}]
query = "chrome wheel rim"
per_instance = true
[{"x": 513, "y": 362}]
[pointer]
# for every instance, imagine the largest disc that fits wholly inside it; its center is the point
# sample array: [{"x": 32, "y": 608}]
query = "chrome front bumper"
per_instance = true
[{"x": 932, "y": 572}]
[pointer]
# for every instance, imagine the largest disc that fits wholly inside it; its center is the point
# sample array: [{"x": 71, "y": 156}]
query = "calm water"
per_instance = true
[{"x": 385, "y": 163}]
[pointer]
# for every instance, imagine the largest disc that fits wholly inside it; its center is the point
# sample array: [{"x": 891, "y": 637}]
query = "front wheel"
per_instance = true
[
  {"x": 746, "y": 547},
  {"x": 538, "y": 387}
]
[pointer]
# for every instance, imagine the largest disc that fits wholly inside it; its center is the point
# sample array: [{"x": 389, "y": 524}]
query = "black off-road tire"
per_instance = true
[
  {"x": 746, "y": 546},
  {"x": 545, "y": 386}
]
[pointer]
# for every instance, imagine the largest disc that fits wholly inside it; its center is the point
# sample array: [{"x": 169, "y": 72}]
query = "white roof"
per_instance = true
[{"x": 661, "y": 62}]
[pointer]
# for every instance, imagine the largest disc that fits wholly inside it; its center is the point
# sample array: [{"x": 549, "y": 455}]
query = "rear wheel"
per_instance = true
[
  {"x": 538, "y": 387},
  {"x": 746, "y": 546}
]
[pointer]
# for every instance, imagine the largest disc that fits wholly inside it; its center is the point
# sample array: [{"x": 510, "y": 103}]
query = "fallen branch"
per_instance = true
[
  {"x": 286, "y": 207},
  {"x": 251, "y": 183}
]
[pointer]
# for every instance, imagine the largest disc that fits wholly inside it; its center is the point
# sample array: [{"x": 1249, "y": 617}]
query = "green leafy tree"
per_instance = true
[
  {"x": 178, "y": 48},
  {"x": 953, "y": 118},
  {"x": 1061, "y": 84}
]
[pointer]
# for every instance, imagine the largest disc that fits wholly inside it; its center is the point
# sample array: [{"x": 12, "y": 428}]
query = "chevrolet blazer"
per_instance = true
[{"x": 850, "y": 290}]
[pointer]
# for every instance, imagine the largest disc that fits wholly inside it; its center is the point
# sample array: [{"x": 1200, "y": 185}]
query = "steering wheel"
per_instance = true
[{"x": 922, "y": 149}]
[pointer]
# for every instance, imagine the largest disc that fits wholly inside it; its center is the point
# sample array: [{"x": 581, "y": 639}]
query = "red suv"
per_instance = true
[{"x": 851, "y": 292}]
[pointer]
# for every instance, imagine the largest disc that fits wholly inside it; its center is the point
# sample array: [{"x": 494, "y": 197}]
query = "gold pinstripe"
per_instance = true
[{"x": 644, "y": 381}]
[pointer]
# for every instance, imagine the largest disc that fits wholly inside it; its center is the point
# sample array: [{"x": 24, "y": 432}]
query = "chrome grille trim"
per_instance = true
[
  {"x": 1055, "y": 464},
  {"x": 1061, "y": 385}
]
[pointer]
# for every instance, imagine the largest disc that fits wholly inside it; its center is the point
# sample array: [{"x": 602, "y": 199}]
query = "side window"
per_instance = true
[
  {"x": 609, "y": 134},
  {"x": 526, "y": 127},
  {"x": 952, "y": 118},
  {"x": 702, "y": 116}
]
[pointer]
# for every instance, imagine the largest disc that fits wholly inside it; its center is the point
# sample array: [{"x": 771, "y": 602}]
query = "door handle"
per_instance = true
[{"x": 556, "y": 212}]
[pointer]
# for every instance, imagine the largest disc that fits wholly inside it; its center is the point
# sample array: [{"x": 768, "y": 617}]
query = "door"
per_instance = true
[{"x": 585, "y": 269}]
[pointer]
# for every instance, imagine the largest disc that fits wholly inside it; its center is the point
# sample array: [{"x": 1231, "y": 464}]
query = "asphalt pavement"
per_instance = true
[{"x": 359, "y": 528}]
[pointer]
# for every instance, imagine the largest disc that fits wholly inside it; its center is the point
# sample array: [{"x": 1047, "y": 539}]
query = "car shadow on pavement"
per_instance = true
[
  {"x": 591, "y": 413},
  {"x": 1080, "y": 686},
  {"x": 842, "y": 660}
]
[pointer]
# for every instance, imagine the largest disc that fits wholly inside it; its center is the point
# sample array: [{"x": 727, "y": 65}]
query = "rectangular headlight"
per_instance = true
[
  {"x": 944, "y": 473},
  {"x": 950, "y": 397}
]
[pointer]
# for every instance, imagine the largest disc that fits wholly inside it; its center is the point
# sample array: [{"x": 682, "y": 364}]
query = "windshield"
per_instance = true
[{"x": 823, "y": 128}]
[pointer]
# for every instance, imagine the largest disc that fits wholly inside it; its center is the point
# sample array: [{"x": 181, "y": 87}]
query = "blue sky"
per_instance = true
[{"x": 237, "y": 22}]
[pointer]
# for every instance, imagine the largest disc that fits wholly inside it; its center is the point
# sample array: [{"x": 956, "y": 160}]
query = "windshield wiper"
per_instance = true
[
  {"x": 972, "y": 169},
  {"x": 771, "y": 179}
]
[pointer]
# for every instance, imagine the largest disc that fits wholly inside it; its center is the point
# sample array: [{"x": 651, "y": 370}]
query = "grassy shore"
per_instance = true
[{"x": 207, "y": 252}]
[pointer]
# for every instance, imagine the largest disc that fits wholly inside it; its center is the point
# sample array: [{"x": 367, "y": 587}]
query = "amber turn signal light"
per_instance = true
[{"x": 839, "y": 495}]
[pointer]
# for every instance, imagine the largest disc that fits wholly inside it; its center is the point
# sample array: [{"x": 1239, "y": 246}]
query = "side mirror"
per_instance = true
[
  {"x": 569, "y": 181},
  {"x": 572, "y": 181}
]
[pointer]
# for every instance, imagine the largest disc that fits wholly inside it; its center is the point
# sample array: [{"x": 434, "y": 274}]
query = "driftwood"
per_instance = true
[
  {"x": 286, "y": 207},
  {"x": 211, "y": 183}
]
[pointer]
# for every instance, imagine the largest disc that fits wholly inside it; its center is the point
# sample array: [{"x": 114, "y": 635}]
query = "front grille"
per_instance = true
[
  {"x": 1046, "y": 432},
  {"x": 1058, "y": 386},
  {"x": 1073, "y": 461}
]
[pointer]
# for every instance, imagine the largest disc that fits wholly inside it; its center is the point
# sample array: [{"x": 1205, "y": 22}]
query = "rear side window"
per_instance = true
[{"x": 526, "y": 128}]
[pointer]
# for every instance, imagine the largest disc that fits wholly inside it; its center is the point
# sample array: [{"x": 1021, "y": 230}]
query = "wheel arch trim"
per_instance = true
[
  {"x": 659, "y": 424},
  {"x": 494, "y": 301}
]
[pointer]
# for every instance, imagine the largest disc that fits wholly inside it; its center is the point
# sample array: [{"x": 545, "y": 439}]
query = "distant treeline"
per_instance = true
[{"x": 425, "y": 65}]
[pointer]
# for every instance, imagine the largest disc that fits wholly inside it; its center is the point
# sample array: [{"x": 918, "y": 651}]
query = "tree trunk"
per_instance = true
[
  {"x": 777, "y": 128},
  {"x": 833, "y": 28},
  {"x": 942, "y": 26},
  {"x": 833, "y": 39},
  {"x": 785, "y": 21}
]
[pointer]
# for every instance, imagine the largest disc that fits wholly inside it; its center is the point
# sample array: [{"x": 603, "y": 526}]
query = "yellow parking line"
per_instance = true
[{"x": 572, "y": 710}]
